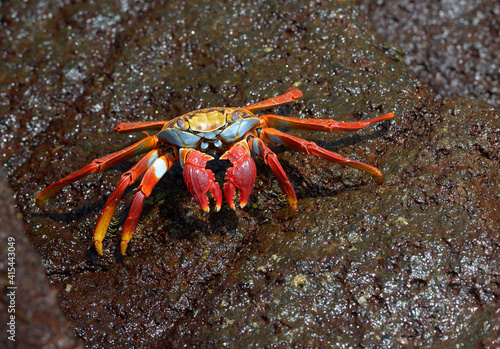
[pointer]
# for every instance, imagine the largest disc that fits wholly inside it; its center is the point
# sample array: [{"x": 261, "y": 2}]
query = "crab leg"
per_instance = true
[
  {"x": 98, "y": 165},
  {"x": 327, "y": 125},
  {"x": 259, "y": 148},
  {"x": 241, "y": 176},
  {"x": 273, "y": 135},
  {"x": 198, "y": 179},
  {"x": 152, "y": 176},
  {"x": 127, "y": 179},
  {"x": 289, "y": 96},
  {"x": 125, "y": 127}
]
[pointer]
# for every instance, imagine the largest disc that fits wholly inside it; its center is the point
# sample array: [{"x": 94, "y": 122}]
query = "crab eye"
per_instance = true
[
  {"x": 235, "y": 116},
  {"x": 182, "y": 124}
]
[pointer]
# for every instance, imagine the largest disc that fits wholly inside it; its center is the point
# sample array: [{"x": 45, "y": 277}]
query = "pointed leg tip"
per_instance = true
[
  {"x": 388, "y": 116},
  {"x": 295, "y": 92},
  {"x": 98, "y": 247},
  {"x": 40, "y": 203},
  {"x": 123, "y": 247},
  {"x": 379, "y": 176}
]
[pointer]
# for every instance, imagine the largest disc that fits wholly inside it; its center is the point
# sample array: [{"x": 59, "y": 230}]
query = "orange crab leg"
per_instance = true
[
  {"x": 150, "y": 179},
  {"x": 327, "y": 125},
  {"x": 273, "y": 135},
  {"x": 289, "y": 96},
  {"x": 241, "y": 176},
  {"x": 198, "y": 179},
  {"x": 127, "y": 179},
  {"x": 98, "y": 165},
  {"x": 259, "y": 148},
  {"x": 125, "y": 127}
]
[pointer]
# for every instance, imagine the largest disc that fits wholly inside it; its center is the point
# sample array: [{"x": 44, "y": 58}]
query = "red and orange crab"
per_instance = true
[{"x": 186, "y": 139}]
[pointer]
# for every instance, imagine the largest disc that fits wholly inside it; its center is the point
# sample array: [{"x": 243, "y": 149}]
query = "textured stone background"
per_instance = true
[{"x": 412, "y": 262}]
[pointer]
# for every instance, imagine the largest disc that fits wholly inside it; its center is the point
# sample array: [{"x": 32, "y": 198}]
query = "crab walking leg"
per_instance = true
[
  {"x": 312, "y": 148},
  {"x": 259, "y": 148},
  {"x": 98, "y": 165},
  {"x": 198, "y": 179},
  {"x": 127, "y": 179},
  {"x": 241, "y": 176},
  {"x": 327, "y": 125},
  {"x": 126, "y": 127},
  {"x": 150, "y": 179},
  {"x": 289, "y": 96}
]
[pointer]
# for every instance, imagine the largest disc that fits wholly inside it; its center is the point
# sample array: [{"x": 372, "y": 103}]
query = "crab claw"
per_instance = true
[
  {"x": 198, "y": 179},
  {"x": 241, "y": 176}
]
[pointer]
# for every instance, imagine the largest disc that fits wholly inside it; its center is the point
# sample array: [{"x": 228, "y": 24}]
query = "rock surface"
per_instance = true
[
  {"x": 29, "y": 309},
  {"x": 452, "y": 46}
]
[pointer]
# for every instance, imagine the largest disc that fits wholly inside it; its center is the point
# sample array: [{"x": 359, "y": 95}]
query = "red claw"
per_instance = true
[
  {"x": 198, "y": 179},
  {"x": 241, "y": 176}
]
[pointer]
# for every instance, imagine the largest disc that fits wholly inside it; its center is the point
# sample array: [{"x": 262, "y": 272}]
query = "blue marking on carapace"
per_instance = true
[
  {"x": 238, "y": 129},
  {"x": 180, "y": 138}
]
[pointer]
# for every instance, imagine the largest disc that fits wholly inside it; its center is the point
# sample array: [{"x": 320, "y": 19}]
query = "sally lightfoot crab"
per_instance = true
[{"x": 186, "y": 138}]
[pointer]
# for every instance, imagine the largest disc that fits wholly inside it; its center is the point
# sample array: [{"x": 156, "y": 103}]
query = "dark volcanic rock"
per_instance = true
[
  {"x": 452, "y": 46},
  {"x": 30, "y": 312},
  {"x": 413, "y": 261}
]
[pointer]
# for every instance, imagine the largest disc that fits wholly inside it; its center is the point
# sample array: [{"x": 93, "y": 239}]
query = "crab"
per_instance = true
[{"x": 187, "y": 138}]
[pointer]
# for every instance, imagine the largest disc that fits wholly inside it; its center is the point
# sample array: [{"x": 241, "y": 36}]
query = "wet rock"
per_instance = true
[
  {"x": 30, "y": 310},
  {"x": 411, "y": 261},
  {"x": 452, "y": 46}
]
